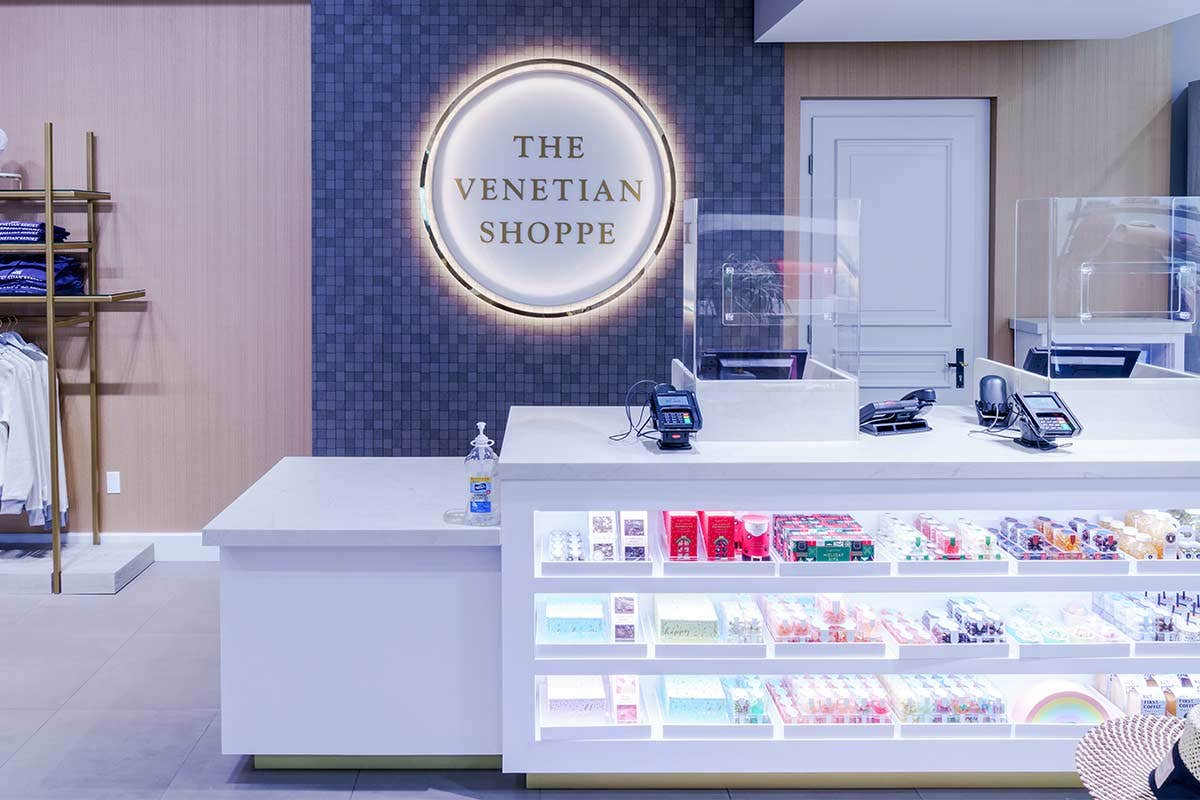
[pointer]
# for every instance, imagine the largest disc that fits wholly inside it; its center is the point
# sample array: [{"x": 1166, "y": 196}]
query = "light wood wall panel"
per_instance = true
[
  {"x": 1069, "y": 118},
  {"x": 202, "y": 111}
]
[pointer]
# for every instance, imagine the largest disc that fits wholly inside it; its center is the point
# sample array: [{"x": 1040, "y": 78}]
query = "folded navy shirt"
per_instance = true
[{"x": 15, "y": 231}]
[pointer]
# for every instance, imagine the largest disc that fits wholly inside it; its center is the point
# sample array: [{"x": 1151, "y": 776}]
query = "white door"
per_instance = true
[{"x": 921, "y": 169}]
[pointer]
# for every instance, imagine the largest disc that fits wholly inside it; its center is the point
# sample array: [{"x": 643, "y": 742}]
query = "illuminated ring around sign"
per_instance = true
[{"x": 454, "y": 121}]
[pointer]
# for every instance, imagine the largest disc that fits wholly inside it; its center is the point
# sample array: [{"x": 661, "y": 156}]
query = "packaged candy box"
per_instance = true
[{"x": 830, "y": 700}]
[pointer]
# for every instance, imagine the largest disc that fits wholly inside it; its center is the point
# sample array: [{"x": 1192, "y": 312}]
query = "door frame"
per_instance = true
[{"x": 803, "y": 186}]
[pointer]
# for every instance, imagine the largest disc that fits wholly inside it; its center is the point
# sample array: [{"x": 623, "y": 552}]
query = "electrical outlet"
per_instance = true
[{"x": 114, "y": 482}]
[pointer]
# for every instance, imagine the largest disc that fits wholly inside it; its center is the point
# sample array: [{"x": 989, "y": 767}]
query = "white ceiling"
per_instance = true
[{"x": 960, "y": 20}]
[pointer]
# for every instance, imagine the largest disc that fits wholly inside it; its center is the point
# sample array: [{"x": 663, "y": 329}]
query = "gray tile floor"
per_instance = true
[{"x": 116, "y": 698}]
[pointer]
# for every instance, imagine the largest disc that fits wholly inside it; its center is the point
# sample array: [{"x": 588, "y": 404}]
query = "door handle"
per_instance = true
[{"x": 959, "y": 365}]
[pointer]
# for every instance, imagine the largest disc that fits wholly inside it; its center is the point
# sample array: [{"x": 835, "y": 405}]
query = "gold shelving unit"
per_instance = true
[{"x": 84, "y": 309}]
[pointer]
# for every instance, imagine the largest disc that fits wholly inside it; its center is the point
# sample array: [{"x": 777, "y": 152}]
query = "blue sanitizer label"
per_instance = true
[{"x": 481, "y": 496}]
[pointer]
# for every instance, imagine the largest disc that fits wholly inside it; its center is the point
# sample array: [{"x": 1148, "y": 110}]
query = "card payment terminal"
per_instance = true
[
  {"x": 676, "y": 416},
  {"x": 1044, "y": 417}
]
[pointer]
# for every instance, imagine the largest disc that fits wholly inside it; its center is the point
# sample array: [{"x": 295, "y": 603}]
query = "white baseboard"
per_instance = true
[{"x": 178, "y": 546}]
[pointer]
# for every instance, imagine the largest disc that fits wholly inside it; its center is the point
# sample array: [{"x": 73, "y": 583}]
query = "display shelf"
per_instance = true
[
  {"x": 718, "y": 569},
  {"x": 74, "y": 299},
  {"x": 1054, "y": 568},
  {"x": 826, "y": 569},
  {"x": 852, "y": 651},
  {"x": 1072, "y": 650},
  {"x": 39, "y": 248},
  {"x": 945, "y": 663},
  {"x": 1050, "y": 730},
  {"x": 550, "y": 732},
  {"x": 1190, "y": 568},
  {"x": 46, "y": 305},
  {"x": 955, "y": 730},
  {"x": 824, "y": 755},
  {"x": 60, "y": 195},
  {"x": 1166, "y": 650},
  {"x": 953, "y": 475},
  {"x": 596, "y": 569},
  {"x": 724, "y": 732},
  {"x": 722, "y": 650},
  {"x": 598, "y": 650},
  {"x": 952, "y": 652},
  {"x": 571, "y": 733},
  {"x": 941, "y": 568},
  {"x": 835, "y": 731},
  {"x": 849, "y": 582}
]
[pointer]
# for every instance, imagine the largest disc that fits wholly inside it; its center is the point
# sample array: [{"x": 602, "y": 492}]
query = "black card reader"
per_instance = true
[
  {"x": 1044, "y": 417},
  {"x": 676, "y": 416}
]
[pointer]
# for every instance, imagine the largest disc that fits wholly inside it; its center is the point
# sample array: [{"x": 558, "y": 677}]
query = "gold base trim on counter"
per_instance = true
[
  {"x": 815, "y": 780},
  {"x": 377, "y": 762}
]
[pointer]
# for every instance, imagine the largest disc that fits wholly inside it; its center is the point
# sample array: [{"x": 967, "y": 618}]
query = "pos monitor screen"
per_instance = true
[{"x": 1082, "y": 362}]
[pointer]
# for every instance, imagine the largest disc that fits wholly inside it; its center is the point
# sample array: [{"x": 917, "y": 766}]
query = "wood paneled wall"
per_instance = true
[
  {"x": 202, "y": 112},
  {"x": 1070, "y": 118}
]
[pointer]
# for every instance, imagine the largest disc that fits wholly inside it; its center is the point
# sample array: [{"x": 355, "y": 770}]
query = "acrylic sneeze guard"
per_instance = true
[
  {"x": 772, "y": 276},
  {"x": 1098, "y": 280}
]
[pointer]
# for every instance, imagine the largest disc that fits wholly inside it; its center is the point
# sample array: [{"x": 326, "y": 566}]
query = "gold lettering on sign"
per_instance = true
[{"x": 551, "y": 147}]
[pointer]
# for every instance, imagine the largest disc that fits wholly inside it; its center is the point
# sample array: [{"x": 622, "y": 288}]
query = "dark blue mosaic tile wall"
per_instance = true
[{"x": 403, "y": 360}]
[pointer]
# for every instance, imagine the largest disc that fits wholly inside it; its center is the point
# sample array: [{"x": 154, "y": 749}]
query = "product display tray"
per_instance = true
[
  {"x": 999, "y": 566},
  {"x": 549, "y": 732},
  {"x": 952, "y": 652},
  {"x": 732, "y": 569},
  {"x": 848, "y": 569},
  {"x": 591, "y": 650},
  {"x": 838, "y": 731},
  {"x": 1189, "y": 567},
  {"x": 710, "y": 650},
  {"x": 597, "y": 569},
  {"x": 1074, "y": 650},
  {"x": 874, "y": 650},
  {"x": 571, "y": 733},
  {"x": 1051, "y": 730},
  {"x": 1115, "y": 566},
  {"x": 955, "y": 730},
  {"x": 717, "y": 731},
  {"x": 1166, "y": 649}
]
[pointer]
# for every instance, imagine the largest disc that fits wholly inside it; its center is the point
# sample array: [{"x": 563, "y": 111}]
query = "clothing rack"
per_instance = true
[{"x": 83, "y": 310}]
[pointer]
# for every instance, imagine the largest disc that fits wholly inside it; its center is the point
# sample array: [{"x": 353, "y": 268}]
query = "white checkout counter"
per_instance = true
[{"x": 355, "y": 622}]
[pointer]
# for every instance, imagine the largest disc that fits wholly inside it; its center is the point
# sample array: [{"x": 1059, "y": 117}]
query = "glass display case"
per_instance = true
[
  {"x": 1106, "y": 286},
  {"x": 771, "y": 315}
]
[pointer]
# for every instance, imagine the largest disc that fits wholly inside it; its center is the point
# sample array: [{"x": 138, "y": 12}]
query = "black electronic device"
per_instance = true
[
  {"x": 1082, "y": 362},
  {"x": 676, "y": 416},
  {"x": 761, "y": 365},
  {"x": 1044, "y": 418},
  {"x": 992, "y": 407},
  {"x": 891, "y": 417}
]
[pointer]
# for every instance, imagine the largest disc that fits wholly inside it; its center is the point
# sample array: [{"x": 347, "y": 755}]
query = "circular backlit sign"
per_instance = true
[{"x": 547, "y": 187}]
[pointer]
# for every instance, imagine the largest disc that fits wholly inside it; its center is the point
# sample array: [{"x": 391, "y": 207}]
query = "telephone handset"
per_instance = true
[
  {"x": 676, "y": 416},
  {"x": 1044, "y": 417},
  {"x": 890, "y": 417}
]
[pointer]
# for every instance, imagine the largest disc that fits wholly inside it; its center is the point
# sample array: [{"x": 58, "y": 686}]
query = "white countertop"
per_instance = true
[
  {"x": 351, "y": 502},
  {"x": 571, "y": 443},
  {"x": 1133, "y": 326}
]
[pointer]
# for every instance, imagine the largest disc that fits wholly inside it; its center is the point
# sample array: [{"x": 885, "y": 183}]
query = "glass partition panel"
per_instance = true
[
  {"x": 770, "y": 289},
  {"x": 1106, "y": 286}
]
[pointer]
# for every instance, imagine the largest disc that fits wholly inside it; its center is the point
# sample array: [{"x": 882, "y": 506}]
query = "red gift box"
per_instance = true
[
  {"x": 683, "y": 535},
  {"x": 720, "y": 534}
]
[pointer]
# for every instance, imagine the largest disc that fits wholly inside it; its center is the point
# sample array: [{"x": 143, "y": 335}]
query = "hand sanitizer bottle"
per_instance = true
[{"x": 481, "y": 465}]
